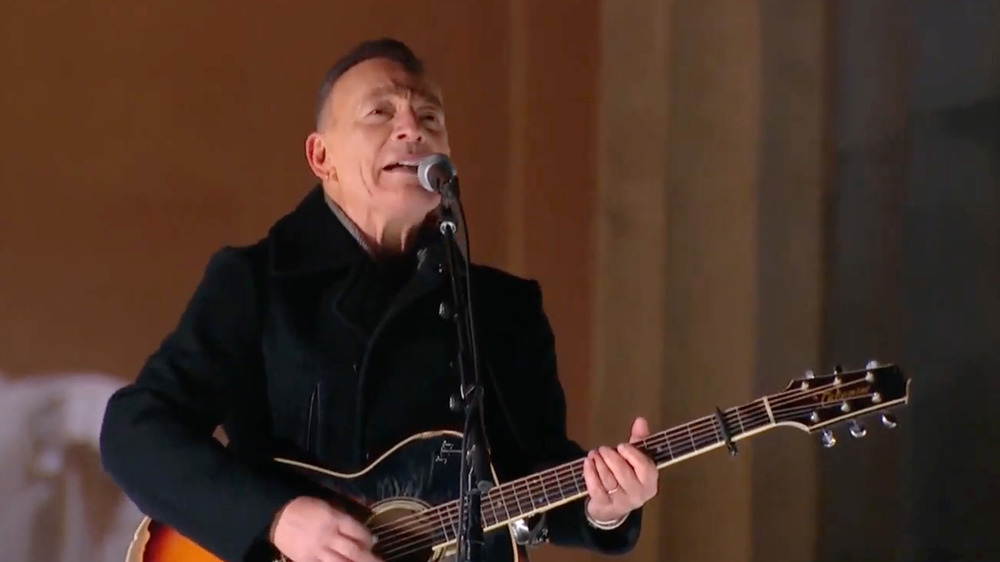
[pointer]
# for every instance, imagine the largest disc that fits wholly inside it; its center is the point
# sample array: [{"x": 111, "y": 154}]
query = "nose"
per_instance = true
[{"x": 408, "y": 126}]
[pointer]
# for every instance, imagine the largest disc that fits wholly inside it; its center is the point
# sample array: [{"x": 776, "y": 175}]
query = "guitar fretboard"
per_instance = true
[
  {"x": 564, "y": 483},
  {"x": 527, "y": 496}
]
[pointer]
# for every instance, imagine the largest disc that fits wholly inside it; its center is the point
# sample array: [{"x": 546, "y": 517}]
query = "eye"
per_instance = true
[
  {"x": 431, "y": 118},
  {"x": 380, "y": 112}
]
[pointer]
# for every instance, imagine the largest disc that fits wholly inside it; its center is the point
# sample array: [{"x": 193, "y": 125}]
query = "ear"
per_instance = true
[{"x": 317, "y": 157}]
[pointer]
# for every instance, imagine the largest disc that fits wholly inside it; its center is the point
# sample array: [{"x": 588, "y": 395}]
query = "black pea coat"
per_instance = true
[{"x": 264, "y": 332}]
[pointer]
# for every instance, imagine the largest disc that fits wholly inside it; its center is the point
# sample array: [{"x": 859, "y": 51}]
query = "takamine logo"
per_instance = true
[{"x": 839, "y": 395}]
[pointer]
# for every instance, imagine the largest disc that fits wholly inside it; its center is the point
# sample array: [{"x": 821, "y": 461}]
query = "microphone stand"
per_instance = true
[{"x": 474, "y": 481}]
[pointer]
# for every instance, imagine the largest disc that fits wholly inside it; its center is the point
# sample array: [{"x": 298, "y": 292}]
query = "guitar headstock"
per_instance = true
[{"x": 814, "y": 403}]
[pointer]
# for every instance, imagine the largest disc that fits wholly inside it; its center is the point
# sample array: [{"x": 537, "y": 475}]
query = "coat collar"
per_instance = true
[{"x": 311, "y": 239}]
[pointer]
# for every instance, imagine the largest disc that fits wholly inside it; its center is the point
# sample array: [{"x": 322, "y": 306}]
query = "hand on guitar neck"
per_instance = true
[
  {"x": 619, "y": 480},
  {"x": 311, "y": 530}
]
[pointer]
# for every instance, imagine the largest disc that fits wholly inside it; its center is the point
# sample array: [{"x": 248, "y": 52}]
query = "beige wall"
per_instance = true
[
  {"x": 714, "y": 139},
  {"x": 138, "y": 139}
]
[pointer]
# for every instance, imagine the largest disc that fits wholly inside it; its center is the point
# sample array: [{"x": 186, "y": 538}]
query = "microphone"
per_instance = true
[{"x": 438, "y": 175}]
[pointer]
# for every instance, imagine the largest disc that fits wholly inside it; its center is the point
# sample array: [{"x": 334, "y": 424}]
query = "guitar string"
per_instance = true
[
  {"x": 565, "y": 478},
  {"x": 420, "y": 519},
  {"x": 708, "y": 424},
  {"x": 402, "y": 548},
  {"x": 404, "y": 545},
  {"x": 572, "y": 479}
]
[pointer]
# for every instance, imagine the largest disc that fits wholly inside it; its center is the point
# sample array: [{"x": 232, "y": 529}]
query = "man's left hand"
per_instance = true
[{"x": 620, "y": 480}]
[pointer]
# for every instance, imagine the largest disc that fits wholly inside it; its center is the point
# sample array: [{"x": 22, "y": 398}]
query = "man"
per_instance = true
[{"x": 323, "y": 342}]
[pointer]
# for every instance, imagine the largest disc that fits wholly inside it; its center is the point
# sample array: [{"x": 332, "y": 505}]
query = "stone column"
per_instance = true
[
  {"x": 630, "y": 274},
  {"x": 709, "y": 269}
]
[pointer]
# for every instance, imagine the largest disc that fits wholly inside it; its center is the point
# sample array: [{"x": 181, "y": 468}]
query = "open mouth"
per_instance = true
[{"x": 403, "y": 166}]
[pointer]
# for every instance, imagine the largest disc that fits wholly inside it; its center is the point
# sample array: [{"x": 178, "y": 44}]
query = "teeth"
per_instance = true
[
  {"x": 405, "y": 164},
  {"x": 402, "y": 165}
]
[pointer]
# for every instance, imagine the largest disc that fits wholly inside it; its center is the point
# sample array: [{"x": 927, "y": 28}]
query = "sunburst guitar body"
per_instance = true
[{"x": 407, "y": 497}]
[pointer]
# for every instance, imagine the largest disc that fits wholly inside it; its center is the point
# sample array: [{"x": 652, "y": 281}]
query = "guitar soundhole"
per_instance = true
[{"x": 405, "y": 541}]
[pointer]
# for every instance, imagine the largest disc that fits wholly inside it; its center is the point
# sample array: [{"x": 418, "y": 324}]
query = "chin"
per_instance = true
[
  {"x": 416, "y": 194},
  {"x": 414, "y": 201}
]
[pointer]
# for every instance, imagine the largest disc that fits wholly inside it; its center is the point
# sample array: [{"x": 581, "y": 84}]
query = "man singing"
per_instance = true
[{"x": 325, "y": 342}]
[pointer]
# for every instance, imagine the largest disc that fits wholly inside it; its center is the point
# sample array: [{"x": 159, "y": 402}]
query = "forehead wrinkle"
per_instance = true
[{"x": 405, "y": 91}]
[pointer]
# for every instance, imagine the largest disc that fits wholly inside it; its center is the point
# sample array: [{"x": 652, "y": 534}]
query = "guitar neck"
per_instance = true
[
  {"x": 810, "y": 404},
  {"x": 556, "y": 486}
]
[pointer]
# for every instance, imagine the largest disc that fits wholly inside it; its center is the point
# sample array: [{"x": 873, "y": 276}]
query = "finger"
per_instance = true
[
  {"x": 642, "y": 465},
  {"x": 593, "y": 480},
  {"x": 351, "y": 528},
  {"x": 331, "y": 556},
  {"x": 623, "y": 472},
  {"x": 368, "y": 556},
  {"x": 351, "y": 550},
  {"x": 640, "y": 429},
  {"x": 605, "y": 473},
  {"x": 644, "y": 469}
]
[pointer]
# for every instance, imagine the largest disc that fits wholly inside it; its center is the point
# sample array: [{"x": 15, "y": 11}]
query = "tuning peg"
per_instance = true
[
  {"x": 889, "y": 420},
  {"x": 828, "y": 438},
  {"x": 870, "y": 376},
  {"x": 857, "y": 430}
]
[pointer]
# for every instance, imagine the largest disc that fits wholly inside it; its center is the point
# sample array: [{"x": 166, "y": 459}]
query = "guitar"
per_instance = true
[{"x": 408, "y": 496}]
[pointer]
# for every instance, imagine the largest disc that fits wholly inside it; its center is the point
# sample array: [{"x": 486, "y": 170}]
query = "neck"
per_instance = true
[{"x": 380, "y": 237}]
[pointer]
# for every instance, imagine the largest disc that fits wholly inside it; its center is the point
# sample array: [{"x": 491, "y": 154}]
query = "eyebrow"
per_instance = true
[{"x": 398, "y": 89}]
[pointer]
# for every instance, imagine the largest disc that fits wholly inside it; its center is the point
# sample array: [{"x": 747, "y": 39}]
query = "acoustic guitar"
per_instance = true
[{"x": 408, "y": 497}]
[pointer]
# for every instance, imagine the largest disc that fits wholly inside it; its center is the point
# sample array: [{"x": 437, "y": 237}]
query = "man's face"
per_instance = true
[{"x": 379, "y": 121}]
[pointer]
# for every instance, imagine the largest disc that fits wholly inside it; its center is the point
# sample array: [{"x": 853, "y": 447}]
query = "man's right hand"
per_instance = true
[{"x": 311, "y": 530}]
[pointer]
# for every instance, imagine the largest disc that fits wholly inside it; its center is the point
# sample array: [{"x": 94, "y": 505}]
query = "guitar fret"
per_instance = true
[
  {"x": 694, "y": 447},
  {"x": 511, "y": 494},
  {"x": 576, "y": 481},
  {"x": 560, "y": 476},
  {"x": 493, "y": 511},
  {"x": 739, "y": 420},
  {"x": 770, "y": 414},
  {"x": 503, "y": 501},
  {"x": 444, "y": 526},
  {"x": 527, "y": 497}
]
